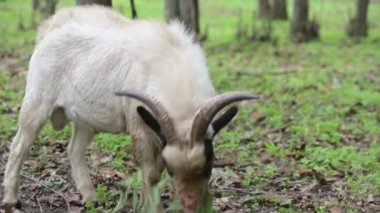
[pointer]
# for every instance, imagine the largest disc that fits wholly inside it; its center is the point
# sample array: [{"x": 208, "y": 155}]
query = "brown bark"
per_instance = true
[
  {"x": 279, "y": 10},
  {"x": 46, "y": 8},
  {"x": 186, "y": 11},
  {"x": 107, "y": 3},
  {"x": 50, "y": 7},
  {"x": 133, "y": 8},
  {"x": 35, "y": 8},
  {"x": 301, "y": 28},
  {"x": 358, "y": 26},
  {"x": 35, "y": 5},
  {"x": 171, "y": 9},
  {"x": 196, "y": 16},
  {"x": 264, "y": 9}
]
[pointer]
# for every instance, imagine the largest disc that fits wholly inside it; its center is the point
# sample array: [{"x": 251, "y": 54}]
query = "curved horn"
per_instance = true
[
  {"x": 159, "y": 111},
  {"x": 205, "y": 114}
]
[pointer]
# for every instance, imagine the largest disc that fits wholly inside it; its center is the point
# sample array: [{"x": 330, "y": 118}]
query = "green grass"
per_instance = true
[{"x": 331, "y": 93}]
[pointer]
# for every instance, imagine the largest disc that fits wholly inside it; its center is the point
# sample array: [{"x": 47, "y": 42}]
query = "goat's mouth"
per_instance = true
[{"x": 190, "y": 204}]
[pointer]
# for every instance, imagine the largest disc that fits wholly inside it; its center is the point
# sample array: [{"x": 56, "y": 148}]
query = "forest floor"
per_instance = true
[{"x": 310, "y": 144}]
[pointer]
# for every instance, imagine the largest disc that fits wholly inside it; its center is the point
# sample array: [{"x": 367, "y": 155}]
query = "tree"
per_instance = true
[
  {"x": 278, "y": 11},
  {"x": 358, "y": 27},
  {"x": 264, "y": 9},
  {"x": 46, "y": 8},
  {"x": 35, "y": 8},
  {"x": 133, "y": 9},
  {"x": 274, "y": 9},
  {"x": 50, "y": 7},
  {"x": 301, "y": 28},
  {"x": 186, "y": 11},
  {"x": 107, "y": 3}
]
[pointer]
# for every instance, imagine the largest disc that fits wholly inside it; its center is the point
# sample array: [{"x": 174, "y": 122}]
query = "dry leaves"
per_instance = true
[{"x": 336, "y": 210}]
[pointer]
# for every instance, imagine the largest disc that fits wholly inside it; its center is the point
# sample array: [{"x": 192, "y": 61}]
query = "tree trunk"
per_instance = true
[
  {"x": 35, "y": 5},
  {"x": 357, "y": 27},
  {"x": 279, "y": 10},
  {"x": 45, "y": 8},
  {"x": 133, "y": 8},
  {"x": 301, "y": 28},
  {"x": 185, "y": 11},
  {"x": 264, "y": 9},
  {"x": 35, "y": 8},
  {"x": 171, "y": 9},
  {"x": 107, "y": 3},
  {"x": 50, "y": 7}
]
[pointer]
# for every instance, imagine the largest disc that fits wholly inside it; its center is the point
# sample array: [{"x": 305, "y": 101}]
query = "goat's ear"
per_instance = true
[
  {"x": 223, "y": 120},
  {"x": 149, "y": 120}
]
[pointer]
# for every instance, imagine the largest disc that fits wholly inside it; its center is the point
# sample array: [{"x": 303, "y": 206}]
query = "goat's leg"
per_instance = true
[
  {"x": 81, "y": 138},
  {"x": 151, "y": 176},
  {"x": 32, "y": 117},
  {"x": 148, "y": 156}
]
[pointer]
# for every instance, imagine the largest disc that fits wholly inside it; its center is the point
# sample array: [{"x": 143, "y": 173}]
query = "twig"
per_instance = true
[
  {"x": 244, "y": 191},
  {"x": 341, "y": 172},
  {"x": 2, "y": 161},
  {"x": 237, "y": 167},
  {"x": 47, "y": 187},
  {"x": 240, "y": 190},
  {"x": 275, "y": 72},
  {"x": 223, "y": 164},
  {"x": 39, "y": 204},
  {"x": 280, "y": 129},
  {"x": 247, "y": 164}
]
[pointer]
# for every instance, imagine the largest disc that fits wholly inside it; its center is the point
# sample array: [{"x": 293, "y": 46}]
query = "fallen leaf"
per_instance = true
[
  {"x": 307, "y": 188},
  {"x": 290, "y": 153},
  {"x": 265, "y": 158},
  {"x": 74, "y": 199},
  {"x": 121, "y": 175},
  {"x": 257, "y": 117},
  {"x": 51, "y": 199},
  {"x": 314, "y": 173},
  {"x": 277, "y": 197},
  {"x": 33, "y": 163},
  {"x": 109, "y": 173},
  {"x": 106, "y": 159},
  {"x": 76, "y": 209},
  {"x": 96, "y": 180},
  {"x": 306, "y": 172},
  {"x": 227, "y": 158},
  {"x": 336, "y": 210},
  {"x": 370, "y": 198}
]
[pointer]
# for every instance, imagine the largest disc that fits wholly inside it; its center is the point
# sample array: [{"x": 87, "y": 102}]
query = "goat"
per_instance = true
[{"x": 86, "y": 55}]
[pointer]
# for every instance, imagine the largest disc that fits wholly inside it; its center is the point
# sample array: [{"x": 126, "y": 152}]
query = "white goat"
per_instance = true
[{"x": 83, "y": 57}]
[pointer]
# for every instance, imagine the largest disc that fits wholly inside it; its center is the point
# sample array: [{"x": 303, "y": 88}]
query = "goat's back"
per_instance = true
[
  {"x": 84, "y": 55},
  {"x": 84, "y": 15}
]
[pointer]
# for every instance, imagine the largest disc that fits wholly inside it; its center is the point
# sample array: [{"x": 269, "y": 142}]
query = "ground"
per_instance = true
[{"x": 310, "y": 144}]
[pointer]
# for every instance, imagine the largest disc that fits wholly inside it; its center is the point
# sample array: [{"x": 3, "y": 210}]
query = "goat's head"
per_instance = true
[{"x": 189, "y": 161}]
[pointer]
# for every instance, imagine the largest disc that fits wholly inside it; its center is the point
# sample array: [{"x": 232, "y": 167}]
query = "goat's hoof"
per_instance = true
[{"x": 8, "y": 208}]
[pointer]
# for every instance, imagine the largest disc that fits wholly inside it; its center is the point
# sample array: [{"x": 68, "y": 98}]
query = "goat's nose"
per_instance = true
[{"x": 190, "y": 203}]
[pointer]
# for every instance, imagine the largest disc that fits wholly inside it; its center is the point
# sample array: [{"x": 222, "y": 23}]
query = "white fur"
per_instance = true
[
  {"x": 82, "y": 57},
  {"x": 185, "y": 160}
]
